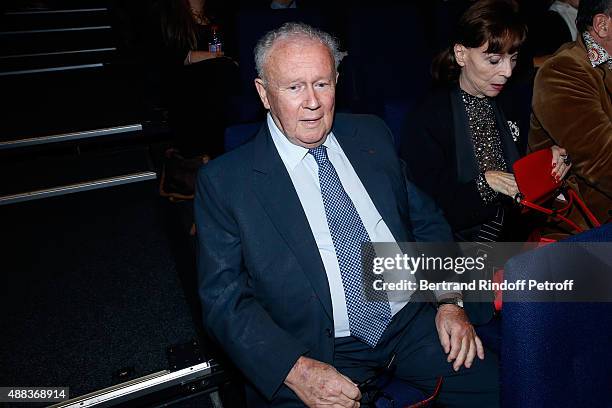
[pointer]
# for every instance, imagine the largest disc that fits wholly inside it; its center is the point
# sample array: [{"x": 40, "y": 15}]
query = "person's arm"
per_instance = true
[
  {"x": 429, "y": 162},
  {"x": 199, "y": 56},
  {"x": 320, "y": 384},
  {"x": 232, "y": 315},
  {"x": 427, "y": 220},
  {"x": 567, "y": 103},
  {"x": 458, "y": 337},
  {"x": 456, "y": 333}
]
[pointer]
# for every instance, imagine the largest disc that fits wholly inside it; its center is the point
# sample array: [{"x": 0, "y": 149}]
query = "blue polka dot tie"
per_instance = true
[{"x": 368, "y": 310}]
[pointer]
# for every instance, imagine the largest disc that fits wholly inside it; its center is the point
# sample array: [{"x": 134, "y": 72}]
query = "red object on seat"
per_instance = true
[
  {"x": 536, "y": 185},
  {"x": 533, "y": 176}
]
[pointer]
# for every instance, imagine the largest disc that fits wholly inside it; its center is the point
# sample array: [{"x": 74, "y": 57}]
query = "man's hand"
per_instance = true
[
  {"x": 457, "y": 336},
  {"x": 319, "y": 384}
]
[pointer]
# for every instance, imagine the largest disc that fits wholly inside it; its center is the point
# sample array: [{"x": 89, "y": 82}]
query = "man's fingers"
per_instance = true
[
  {"x": 469, "y": 359},
  {"x": 462, "y": 353},
  {"x": 455, "y": 348},
  {"x": 352, "y": 404},
  {"x": 444, "y": 339},
  {"x": 479, "y": 347},
  {"x": 351, "y": 391},
  {"x": 317, "y": 383}
]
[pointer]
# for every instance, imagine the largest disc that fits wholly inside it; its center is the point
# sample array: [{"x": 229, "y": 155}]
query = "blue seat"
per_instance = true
[
  {"x": 237, "y": 135},
  {"x": 389, "y": 62},
  {"x": 490, "y": 334},
  {"x": 556, "y": 354}
]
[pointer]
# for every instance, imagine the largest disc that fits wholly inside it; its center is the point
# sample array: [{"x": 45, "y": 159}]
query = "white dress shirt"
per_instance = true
[
  {"x": 303, "y": 170},
  {"x": 569, "y": 14}
]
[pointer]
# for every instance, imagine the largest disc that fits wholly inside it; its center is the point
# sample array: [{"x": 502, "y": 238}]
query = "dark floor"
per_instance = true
[{"x": 94, "y": 283}]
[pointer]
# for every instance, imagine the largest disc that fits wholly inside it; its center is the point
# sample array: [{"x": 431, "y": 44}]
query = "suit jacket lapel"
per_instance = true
[
  {"x": 467, "y": 167},
  {"x": 278, "y": 197}
]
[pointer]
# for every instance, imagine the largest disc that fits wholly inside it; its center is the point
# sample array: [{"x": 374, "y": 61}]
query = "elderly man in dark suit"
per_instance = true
[{"x": 281, "y": 221}]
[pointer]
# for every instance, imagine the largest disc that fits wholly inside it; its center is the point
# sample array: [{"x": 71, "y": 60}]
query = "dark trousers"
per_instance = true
[{"x": 420, "y": 360}]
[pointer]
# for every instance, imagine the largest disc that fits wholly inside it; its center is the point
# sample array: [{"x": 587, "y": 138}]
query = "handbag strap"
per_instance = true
[
  {"x": 573, "y": 197},
  {"x": 553, "y": 213},
  {"x": 585, "y": 209},
  {"x": 433, "y": 396}
]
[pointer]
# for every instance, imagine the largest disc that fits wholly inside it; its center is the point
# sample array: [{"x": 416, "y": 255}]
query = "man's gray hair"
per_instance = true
[{"x": 289, "y": 31}]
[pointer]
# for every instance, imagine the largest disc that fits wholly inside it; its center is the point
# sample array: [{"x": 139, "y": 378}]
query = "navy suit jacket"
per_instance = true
[{"x": 262, "y": 283}]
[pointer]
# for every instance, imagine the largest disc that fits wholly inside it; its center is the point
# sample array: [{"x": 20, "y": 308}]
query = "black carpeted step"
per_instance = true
[
  {"x": 34, "y": 173},
  {"x": 20, "y": 63},
  {"x": 70, "y": 38},
  {"x": 46, "y": 5},
  {"x": 61, "y": 102},
  {"x": 54, "y": 19}
]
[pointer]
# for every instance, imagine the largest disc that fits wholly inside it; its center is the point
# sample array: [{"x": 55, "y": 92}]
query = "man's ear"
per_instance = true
[
  {"x": 459, "y": 51},
  {"x": 261, "y": 90},
  {"x": 601, "y": 25}
]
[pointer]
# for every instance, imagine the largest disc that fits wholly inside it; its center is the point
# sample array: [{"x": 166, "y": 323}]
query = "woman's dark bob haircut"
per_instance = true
[{"x": 493, "y": 22}]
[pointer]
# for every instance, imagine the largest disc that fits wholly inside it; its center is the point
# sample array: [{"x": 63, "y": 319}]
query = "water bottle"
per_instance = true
[{"x": 215, "y": 44}]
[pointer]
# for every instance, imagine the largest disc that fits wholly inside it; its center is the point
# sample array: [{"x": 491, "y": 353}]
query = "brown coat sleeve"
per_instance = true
[{"x": 572, "y": 108}]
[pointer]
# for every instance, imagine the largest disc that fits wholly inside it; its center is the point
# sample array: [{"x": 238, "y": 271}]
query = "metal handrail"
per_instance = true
[{"x": 77, "y": 187}]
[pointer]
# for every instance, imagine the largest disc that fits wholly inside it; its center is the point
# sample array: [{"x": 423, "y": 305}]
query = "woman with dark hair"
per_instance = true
[
  {"x": 187, "y": 30},
  {"x": 198, "y": 78},
  {"x": 460, "y": 145}
]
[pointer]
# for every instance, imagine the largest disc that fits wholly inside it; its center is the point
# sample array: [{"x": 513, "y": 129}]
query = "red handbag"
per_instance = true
[
  {"x": 536, "y": 185},
  {"x": 532, "y": 174}
]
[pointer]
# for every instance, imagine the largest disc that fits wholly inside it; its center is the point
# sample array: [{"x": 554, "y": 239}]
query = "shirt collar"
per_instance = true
[
  {"x": 290, "y": 153},
  {"x": 568, "y": 14},
  {"x": 597, "y": 54}
]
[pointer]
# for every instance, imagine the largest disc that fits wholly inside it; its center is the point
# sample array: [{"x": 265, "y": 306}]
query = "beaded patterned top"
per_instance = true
[{"x": 486, "y": 141}]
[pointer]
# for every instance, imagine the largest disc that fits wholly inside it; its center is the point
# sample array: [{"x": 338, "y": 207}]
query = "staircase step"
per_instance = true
[
  {"x": 70, "y": 137},
  {"x": 52, "y": 40},
  {"x": 77, "y": 187},
  {"x": 17, "y": 22},
  {"x": 50, "y": 5},
  {"x": 67, "y": 102},
  {"x": 40, "y": 176},
  {"x": 37, "y": 62}
]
